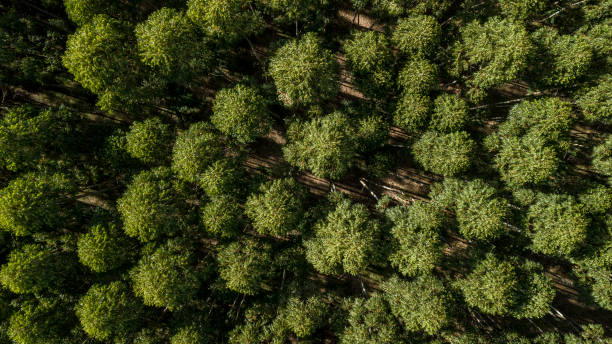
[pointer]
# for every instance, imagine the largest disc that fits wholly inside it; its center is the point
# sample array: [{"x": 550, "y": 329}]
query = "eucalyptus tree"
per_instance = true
[
  {"x": 370, "y": 321},
  {"x": 445, "y": 154},
  {"x": 244, "y": 265},
  {"x": 369, "y": 58},
  {"x": 417, "y": 35},
  {"x": 195, "y": 150},
  {"x": 104, "y": 247},
  {"x": 150, "y": 141}
]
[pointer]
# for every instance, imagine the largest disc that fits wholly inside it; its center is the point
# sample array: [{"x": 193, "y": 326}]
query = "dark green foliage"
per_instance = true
[
  {"x": 167, "y": 277},
  {"x": 536, "y": 292},
  {"x": 244, "y": 265},
  {"x": 42, "y": 321},
  {"x": 412, "y": 111},
  {"x": 417, "y": 35},
  {"x": 602, "y": 157},
  {"x": 345, "y": 242},
  {"x": 150, "y": 141},
  {"x": 222, "y": 216},
  {"x": 240, "y": 112},
  {"x": 369, "y": 58},
  {"x": 324, "y": 145},
  {"x": 450, "y": 113},
  {"x": 82, "y": 11},
  {"x": 103, "y": 248},
  {"x": 522, "y": 10},
  {"x": 304, "y": 73},
  {"x": 150, "y": 206},
  {"x": 372, "y": 132},
  {"x": 228, "y": 20},
  {"x": 595, "y": 103},
  {"x": 194, "y": 150},
  {"x": 276, "y": 209},
  {"x": 108, "y": 311},
  {"x": 445, "y": 154},
  {"x": 370, "y": 321}
]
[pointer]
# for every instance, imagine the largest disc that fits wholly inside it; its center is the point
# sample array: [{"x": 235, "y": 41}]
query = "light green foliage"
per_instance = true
[
  {"x": 27, "y": 137},
  {"x": 369, "y": 58},
  {"x": 416, "y": 230},
  {"x": 244, "y": 266},
  {"x": 372, "y": 132},
  {"x": 498, "y": 50},
  {"x": 384, "y": 8},
  {"x": 445, "y": 154},
  {"x": 108, "y": 311},
  {"x": 222, "y": 216},
  {"x": 523, "y": 161},
  {"x": 103, "y": 248},
  {"x": 450, "y": 113},
  {"x": 34, "y": 269},
  {"x": 564, "y": 58},
  {"x": 345, "y": 241},
  {"x": 370, "y": 322},
  {"x": 168, "y": 40},
  {"x": 591, "y": 333},
  {"x": 491, "y": 286},
  {"x": 150, "y": 206},
  {"x": 191, "y": 334},
  {"x": 536, "y": 292},
  {"x": 222, "y": 177},
  {"x": 602, "y": 288},
  {"x": 228, "y": 20},
  {"x": 596, "y": 103},
  {"x": 602, "y": 157},
  {"x": 522, "y": 10},
  {"x": 412, "y": 111},
  {"x": 324, "y": 145},
  {"x": 418, "y": 76},
  {"x": 194, "y": 150},
  {"x": 303, "y": 317},
  {"x": 422, "y": 304},
  {"x": 43, "y": 321},
  {"x": 150, "y": 141},
  {"x": 304, "y": 73},
  {"x": 167, "y": 277},
  {"x": 597, "y": 199},
  {"x": 557, "y": 225},
  {"x": 82, "y": 11},
  {"x": 99, "y": 55},
  {"x": 481, "y": 215},
  {"x": 240, "y": 112},
  {"x": 276, "y": 209},
  {"x": 33, "y": 202},
  {"x": 417, "y": 35}
]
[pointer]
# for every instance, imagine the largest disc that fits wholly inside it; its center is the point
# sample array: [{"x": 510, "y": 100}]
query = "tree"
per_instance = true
[
  {"x": 190, "y": 334},
  {"x": 33, "y": 268},
  {"x": 370, "y": 321},
  {"x": 417, "y": 35},
  {"x": 34, "y": 202},
  {"x": 276, "y": 208},
  {"x": 450, "y": 113},
  {"x": 602, "y": 157},
  {"x": 150, "y": 207},
  {"x": 167, "y": 277},
  {"x": 303, "y": 317},
  {"x": 345, "y": 241},
  {"x": 422, "y": 304},
  {"x": 304, "y": 72},
  {"x": 244, "y": 265},
  {"x": 557, "y": 225},
  {"x": 109, "y": 310},
  {"x": 103, "y": 248},
  {"x": 228, "y": 20},
  {"x": 150, "y": 141},
  {"x": 595, "y": 104},
  {"x": 418, "y": 76},
  {"x": 522, "y": 10},
  {"x": 536, "y": 292},
  {"x": 293, "y": 11},
  {"x": 222, "y": 177},
  {"x": 445, "y": 154},
  {"x": 369, "y": 58},
  {"x": 41, "y": 321},
  {"x": 240, "y": 112},
  {"x": 100, "y": 55},
  {"x": 481, "y": 215},
  {"x": 222, "y": 216},
  {"x": 194, "y": 150},
  {"x": 498, "y": 51},
  {"x": 169, "y": 42},
  {"x": 491, "y": 287},
  {"x": 324, "y": 145},
  {"x": 372, "y": 133},
  {"x": 412, "y": 111},
  {"x": 82, "y": 11}
]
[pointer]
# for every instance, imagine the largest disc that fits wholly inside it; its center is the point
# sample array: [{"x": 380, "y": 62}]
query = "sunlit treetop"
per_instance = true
[
  {"x": 150, "y": 141},
  {"x": 227, "y": 20},
  {"x": 194, "y": 150},
  {"x": 417, "y": 35}
]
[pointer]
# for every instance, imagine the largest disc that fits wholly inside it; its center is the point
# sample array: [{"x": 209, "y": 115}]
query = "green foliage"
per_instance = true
[
  {"x": 445, "y": 154},
  {"x": 450, "y": 113},
  {"x": 417, "y": 35},
  {"x": 418, "y": 76},
  {"x": 150, "y": 207},
  {"x": 602, "y": 157},
  {"x": 34, "y": 268},
  {"x": 166, "y": 277},
  {"x": 303, "y": 317},
  {"x": 369, "y": 57},
  {"x": 169, "y": 41},
  {"x": 222, "y": 177},
  {"x": 43, "y": 321},
  {"x": 345, "y": 241},
  {"x": 82, "y": 11},
  {"x": 108, "y": 311},
  {"x": 150, "y": 141},
  {"x": 228, "y": 20},
  {"x": 34, "y": 202},
  {"x": 422, "y": 304},
  {"x": 372, "y": 132},
  {"x": 522, "y": 10},
  {"x": 191, "y": 334},
  {"x": 240, "y": 112},
  {"x": 557, "y": 225},
  {"x": 244, "y": 265},
  {"x": 194, "y": 150},
  {"x": 481, "y": 215},
  {"x": 222, "y": 216},
  {"x": 276, "y": 209},
  {"x": 536, "y": 292},
  {"x": 304, "y": 72},
  {"x": 103, "y": 248},
  {"x": 100, "y": 56},
  {"x": 369, "y": 322},
  {"x": 498, "y": 51},
  {"x": 324, "y": 145},
  {"x": 290, "y": 11},
  {"x": 412, "y": 111},
  {"x": 595, "y": 103}
]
